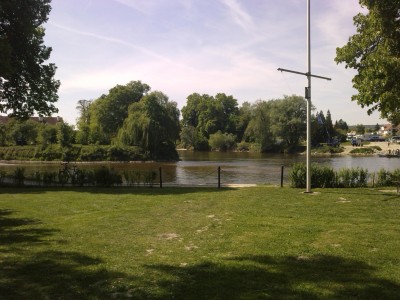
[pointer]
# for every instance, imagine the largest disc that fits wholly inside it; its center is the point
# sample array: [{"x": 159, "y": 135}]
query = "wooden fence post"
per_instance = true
[{"x": 160, "y": 174}]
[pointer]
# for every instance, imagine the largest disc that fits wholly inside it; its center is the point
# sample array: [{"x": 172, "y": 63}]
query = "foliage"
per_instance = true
[
  {"x": 79, "y": 153},
  {"x": 153, "y": 125},
  {"x": 351, "y": 178},
  {"x": 387, "y": 178},
  {"x": 19, "y": 176},
  {"x": 222, "y": 141},
  {"x": 106, "y": 177},
  {"x": 210, "y": 114},
  {"x": 22, "y": 132},
  {"x": 106, "y": 115},
  {"x": 324, "y": 148},
  {"x": 324, "y": 176},
  {"x": 360, "y": 129},
  {"x": 83, "y": 122},
  {"x": 259, "y": 128},
  {"x": 363, "y": 150},
  {"x": 65, "y": 134},
  {"x": 374, "y": 53},
  {"x": 27, "y": 84},
  {"x": 341, "y": 125},
  {"x": 47, "y": 134},
  {"x": 288, "y": 119}
]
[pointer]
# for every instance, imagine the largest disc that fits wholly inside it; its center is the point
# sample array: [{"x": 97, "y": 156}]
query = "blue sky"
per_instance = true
[{"x": 210, "y": 46}]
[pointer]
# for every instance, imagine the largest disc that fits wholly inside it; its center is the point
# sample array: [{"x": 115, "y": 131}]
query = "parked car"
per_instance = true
[
  {"x": 376, "y": 138},
  {"x": 395, "y": 139}
]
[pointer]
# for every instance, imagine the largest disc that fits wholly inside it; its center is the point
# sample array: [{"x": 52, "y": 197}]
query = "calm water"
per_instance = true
[{"x": 200, "y": 168}]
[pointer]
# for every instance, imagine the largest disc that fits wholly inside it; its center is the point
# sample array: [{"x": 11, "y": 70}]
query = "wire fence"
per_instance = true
[{"x": 72, "y": 175}]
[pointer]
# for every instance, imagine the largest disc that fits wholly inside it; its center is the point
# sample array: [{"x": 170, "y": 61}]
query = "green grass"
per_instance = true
[{"x": 188, "y": 243}]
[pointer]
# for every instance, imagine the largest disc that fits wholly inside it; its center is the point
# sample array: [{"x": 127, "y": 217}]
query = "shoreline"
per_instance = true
[{"x": 346, "y": 152}]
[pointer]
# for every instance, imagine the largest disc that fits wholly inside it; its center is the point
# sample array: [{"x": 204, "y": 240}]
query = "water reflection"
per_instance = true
[{"x": 201, "y": 168}]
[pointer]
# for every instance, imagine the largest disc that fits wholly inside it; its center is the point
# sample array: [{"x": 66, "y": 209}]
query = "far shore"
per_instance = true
[{"x": 385, "y": 146}]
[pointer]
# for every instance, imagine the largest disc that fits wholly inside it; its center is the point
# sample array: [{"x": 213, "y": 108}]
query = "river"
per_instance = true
[{"x": 201, "y": 168}]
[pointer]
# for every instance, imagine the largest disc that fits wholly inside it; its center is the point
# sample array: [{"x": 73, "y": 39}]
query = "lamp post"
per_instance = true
[{"x": 308, "y": 98}]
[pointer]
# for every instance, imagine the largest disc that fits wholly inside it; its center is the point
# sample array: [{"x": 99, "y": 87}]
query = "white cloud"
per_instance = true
[{"x": 239, "y": 15}]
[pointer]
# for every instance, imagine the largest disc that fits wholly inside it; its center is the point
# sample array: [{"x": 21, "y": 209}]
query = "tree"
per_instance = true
[
  {"x": 47, "y": 134},
  {"x": 243, "y": 119},
  {"x": 341, "y": 125},
  {"x": 288, "y": 120},
  {"x": 83, "y": 122},
  {"x": 210, "y": 114},
  {"x": 22, "y": 132},
  {"x": 65, "y": 134},
  {"x": 153, "y": 125},
  {"x": 27, "y": 84},
  {"x": 259, "y": 128},
  {"x": 222, "y": 141},
  {"x": 374, "y": 53},
  {"x": 107, "y": 113},
  {"x": 377, "y": 128},
  {"x": 360, "y": 129}
]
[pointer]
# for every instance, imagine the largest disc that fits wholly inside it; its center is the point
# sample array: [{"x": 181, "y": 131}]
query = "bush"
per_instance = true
[
  {"x": 222, "y": 141},
  {"x": 383, "y": 178},
  {"x": 325, "y": 176},
  {"x": 365, "y": 150},
  {"x": 322, "y": 176},
  {"x": 19, "y": 176},
  {"x": 298, "y": 175},
  {"x": 106, "y": 177},
  {"x": 351, "y": 178},
  {"x": 3, "y": 175}
]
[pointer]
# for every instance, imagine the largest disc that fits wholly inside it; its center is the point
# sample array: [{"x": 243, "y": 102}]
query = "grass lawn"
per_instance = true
[{"x": 199, "y": 243}]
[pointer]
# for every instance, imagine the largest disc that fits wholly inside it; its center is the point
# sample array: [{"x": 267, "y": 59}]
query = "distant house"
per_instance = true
[
  {"x": 44, "y": 120},
  {"x": 388, "y": 129}
]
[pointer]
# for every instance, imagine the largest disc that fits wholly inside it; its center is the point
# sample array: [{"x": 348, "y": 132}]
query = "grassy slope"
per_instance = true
[{"x": 199, "y": 244}]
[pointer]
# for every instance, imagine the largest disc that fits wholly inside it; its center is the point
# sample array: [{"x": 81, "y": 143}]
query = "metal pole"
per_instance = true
[
  {"x": 308, "y": 98},
  {"x": 282, "y": 167},
  {"x": 308, "y": 94},
  {"x": 219, "y": 177}
]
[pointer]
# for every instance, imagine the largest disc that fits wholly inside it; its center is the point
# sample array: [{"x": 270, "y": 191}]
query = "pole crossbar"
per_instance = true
[{"x": 303, "y": 73}]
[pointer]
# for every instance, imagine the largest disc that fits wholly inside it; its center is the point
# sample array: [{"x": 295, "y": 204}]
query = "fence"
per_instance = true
[{"x": 71, "y": 175}]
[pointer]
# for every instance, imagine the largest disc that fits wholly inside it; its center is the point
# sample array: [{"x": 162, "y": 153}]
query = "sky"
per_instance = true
[{"x": 182, "y": 47}]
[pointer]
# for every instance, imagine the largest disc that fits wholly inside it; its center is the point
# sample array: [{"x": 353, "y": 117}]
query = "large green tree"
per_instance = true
[
  {"x": 107, "y": 113},
  {"x": 83, "y": 121},
  {"x": 289, "y": 120},
  {"x": 27, "y": 83},
  {"x": 374, "y": 52},
  {"x": 259, "y": 128},
  {"x": 210, "y": 114},
  {"x": 153, "y": 125}
]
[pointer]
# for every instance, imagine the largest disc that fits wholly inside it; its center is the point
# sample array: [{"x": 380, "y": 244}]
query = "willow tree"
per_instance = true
[
  {"x": 108, "y": 112},
  {"x": 153, "y": 125},
  {"x": 259, "y": 128},
  {"x": 374, "y": 52}
]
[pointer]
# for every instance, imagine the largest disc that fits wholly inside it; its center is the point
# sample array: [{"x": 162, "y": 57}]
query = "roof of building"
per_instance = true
[{"x": 45, "y": 120}]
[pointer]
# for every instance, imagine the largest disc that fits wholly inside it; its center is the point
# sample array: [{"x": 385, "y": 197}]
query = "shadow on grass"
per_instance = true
[
  {"x": 26, "y": 272},
  {"x": 265, "y": 277},
  {"x": 15, "y": 230}
]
